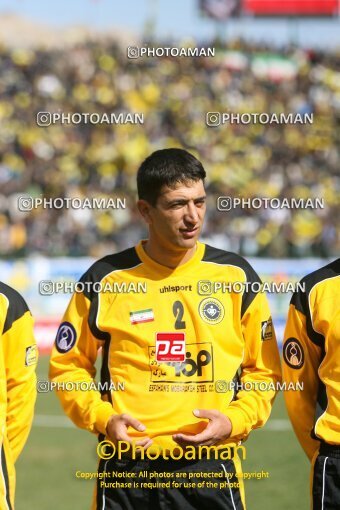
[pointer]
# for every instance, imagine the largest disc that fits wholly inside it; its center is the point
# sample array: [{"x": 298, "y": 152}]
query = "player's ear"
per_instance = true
[{"x": 144, "y": 208}]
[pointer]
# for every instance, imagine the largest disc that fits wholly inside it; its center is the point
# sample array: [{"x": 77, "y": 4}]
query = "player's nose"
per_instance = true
[{"x": 191, "y": 213}]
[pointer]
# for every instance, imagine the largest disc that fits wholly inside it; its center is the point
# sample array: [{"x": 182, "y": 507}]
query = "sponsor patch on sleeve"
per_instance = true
[
  {"x": 66, "y": 337},
  {"x": 267, "y": 329},
  {"x": 293, "y": 353},
  {"x": 31, "y": 355}
]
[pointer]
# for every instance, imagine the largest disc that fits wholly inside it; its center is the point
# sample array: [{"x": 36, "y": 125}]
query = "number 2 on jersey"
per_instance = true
[{"x": 178, "y": 311}]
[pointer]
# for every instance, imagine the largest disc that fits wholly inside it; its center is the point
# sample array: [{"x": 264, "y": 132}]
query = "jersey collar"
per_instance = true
[{"x": 170, "y": 271}]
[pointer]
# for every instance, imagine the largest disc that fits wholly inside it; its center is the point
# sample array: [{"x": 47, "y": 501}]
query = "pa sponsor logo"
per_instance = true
[
  {"x": 211, "y": 310},
  {"x": 197, "y": 366},
  {"x": 66, "y": 337},
  {"x": 293, "y": 353},
  {"x": 170, "y": 346}
]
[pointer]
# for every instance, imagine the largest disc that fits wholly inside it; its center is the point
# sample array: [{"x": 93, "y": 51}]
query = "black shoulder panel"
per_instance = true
[
  {"x": 126, "y": 259},
  {"x": 222, "y": 257},
  {"x": 300, "y": 298},
  {"x": 17, "y": 306}
]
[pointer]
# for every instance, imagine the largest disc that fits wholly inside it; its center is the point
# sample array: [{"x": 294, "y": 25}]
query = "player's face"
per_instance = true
[{"x": 177, "y": 219}]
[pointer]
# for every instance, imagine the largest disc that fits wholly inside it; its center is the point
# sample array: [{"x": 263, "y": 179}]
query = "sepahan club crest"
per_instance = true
[{"x": 211, "y": 310}]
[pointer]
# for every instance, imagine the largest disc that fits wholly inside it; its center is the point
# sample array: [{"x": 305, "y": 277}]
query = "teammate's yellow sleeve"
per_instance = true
[
  {"x": 260, "y": 370},
  {"x": 20, "y": 356},
  {"x": 73, "y": 360},
  {"x": 301, "y": 359}
]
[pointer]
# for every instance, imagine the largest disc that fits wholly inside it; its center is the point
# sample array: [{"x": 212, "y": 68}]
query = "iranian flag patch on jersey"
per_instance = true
[{"x": 142, "y": 316}]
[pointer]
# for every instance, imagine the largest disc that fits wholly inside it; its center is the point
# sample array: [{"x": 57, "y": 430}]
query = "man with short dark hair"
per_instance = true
[
  {"x": 180, "y": 349},
  {"x": 18, "y": 359}
]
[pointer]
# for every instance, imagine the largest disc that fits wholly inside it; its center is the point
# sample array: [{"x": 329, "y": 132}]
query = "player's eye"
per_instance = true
[
  {"x": 200, "y": 202},
  {"x": 177, "y": 205}
]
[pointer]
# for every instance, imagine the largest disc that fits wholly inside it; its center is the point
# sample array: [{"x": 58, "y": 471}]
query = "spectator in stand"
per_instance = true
[{"x": 174, "y": 94}]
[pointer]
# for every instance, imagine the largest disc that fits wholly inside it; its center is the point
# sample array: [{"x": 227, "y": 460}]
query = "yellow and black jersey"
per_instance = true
[
  {"x": 311, "y": 354},
  {"x": 172, "y": 340},
  {"x": 18, "y": 358}
]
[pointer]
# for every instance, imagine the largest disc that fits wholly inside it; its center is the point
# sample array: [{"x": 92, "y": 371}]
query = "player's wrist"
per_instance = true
[
  {"x": 103, "y": 415},
  {"x": 237, "y": 422}
]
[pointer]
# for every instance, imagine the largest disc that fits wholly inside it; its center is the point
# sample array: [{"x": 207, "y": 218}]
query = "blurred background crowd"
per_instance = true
[{"x": 174, "y": 94}]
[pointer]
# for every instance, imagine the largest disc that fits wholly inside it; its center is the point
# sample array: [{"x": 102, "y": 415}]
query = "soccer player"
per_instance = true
[
  {"x": 18, "y": 358},
  {"x": 311, "y": 354},
  {"x": 178, "y": 348}
]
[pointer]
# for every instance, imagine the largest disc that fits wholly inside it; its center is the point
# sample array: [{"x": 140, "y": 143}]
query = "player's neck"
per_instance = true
[{"x": 167, "y": 257}]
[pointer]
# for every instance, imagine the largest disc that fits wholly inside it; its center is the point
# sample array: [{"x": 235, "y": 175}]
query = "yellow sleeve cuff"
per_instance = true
[
  {"x": 102, "y": 416},
  {"x": 238, "y": 421}
]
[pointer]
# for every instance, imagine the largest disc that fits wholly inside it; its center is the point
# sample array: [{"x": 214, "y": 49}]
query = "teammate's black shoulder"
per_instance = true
[
  {"x": 17, "y": 306},
  {"x": 300, "y": 297},
  {"x": 227, "y": 258},
  {"x": 126, "y": 259},
  {"x": 329, "y": 271}
]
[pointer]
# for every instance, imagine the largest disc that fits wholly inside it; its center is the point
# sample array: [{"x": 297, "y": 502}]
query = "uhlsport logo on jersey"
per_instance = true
[
  {"x": 170, "y": 346},
  {"x": 66, "y": 337},
  {"x": 211, "y": 310},
  {"x": 197, "y": 367}
]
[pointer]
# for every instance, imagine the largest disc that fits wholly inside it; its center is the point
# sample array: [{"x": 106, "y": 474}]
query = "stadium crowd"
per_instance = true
[{"x": 174, "y": 94}]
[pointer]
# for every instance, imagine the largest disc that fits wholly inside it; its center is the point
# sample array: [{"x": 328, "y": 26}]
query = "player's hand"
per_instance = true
[
  {"x": 117, "y": 430},
  {"x": 218, "y": 428}
]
